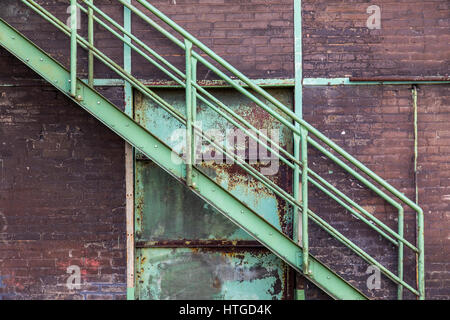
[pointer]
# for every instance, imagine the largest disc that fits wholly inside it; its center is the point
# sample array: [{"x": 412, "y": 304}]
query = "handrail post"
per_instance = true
[
  {"x": 298, "y": 98},
  {"x": 91, "y": 42},
  {"x": 305, "y": 238},
  {"x": 73, "y": 47},
  {"x": 194, "y": 109},
  {"x": 189, "y": 114},
  {"x": 400, "y": 252},
  {"x": 421, "y": 262}
]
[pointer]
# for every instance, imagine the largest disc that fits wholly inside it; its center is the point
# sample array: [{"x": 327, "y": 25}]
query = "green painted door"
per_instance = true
[{"x": 185, "y": 249}]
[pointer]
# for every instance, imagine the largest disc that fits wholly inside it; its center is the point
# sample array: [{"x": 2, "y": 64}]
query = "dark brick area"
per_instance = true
[
  {"x": 434, "y": 186},
  {"x": 375, "y": 125},
  {"x": 62, "y": 197},
  {"x": 413, "y": 39}
]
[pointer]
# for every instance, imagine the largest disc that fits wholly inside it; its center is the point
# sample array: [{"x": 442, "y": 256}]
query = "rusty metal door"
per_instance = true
[{"x": 185, "y": 249}]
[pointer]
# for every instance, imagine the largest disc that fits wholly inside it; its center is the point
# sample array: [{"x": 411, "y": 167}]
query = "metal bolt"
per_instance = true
[
  {"x": 41, "y": 59},
  {"x": 98, "y": 102},
  {"x": 156, "y": 146}
]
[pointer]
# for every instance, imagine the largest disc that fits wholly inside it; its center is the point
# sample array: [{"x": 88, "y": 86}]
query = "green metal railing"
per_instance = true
[{"x": 305, "y": 134}]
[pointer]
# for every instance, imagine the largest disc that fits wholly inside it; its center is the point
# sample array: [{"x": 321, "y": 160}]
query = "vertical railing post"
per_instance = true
[
  {"x": 400, "y": 252},
  {"x": 298, "y": 98},
  {"x": 73, "y": 47},
  {"x": 189, "y": 116},
  {"x": 91, "y": 42},
  {"x": 305, "y": 238},
  {"x": 420, "y": 217},
  {"x": 194, "y": 109},
  {"x": 421, "y": 262}
]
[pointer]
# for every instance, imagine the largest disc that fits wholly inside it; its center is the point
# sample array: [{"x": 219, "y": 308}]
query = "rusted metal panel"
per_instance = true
[
  {"x": 185, "y": 248},
  {"x": 187, "y": 273},
  {"x": 230, "y": 176}
]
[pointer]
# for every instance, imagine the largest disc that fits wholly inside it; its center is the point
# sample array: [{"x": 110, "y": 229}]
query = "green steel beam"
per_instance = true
[
  {"x": 145, "y": 142},
  {"x": 265, "y": 83},
  {"x": 346, "y": 81}
]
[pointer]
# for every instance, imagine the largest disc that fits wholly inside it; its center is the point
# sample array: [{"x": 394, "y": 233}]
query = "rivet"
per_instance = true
[
  {"x": 41, "y": 59},
  {"x": 156, "y": 146},
  {"x": 98, "y": 102}
]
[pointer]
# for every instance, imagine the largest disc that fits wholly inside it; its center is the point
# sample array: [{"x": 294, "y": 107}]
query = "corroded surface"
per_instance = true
[{"x": 187, "y": 273}]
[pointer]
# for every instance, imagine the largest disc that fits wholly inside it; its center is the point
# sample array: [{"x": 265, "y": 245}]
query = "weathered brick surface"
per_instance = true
[
  {"x": 364, "y": 121},
  {"x": 373, "y": 123},
  {"x": 434, "y": 185},
  {"x": 255, "y": 36},
  {"x": 61, "y": 197}
]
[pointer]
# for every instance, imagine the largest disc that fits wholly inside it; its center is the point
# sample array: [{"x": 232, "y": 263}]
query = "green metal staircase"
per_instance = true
[{"x": 294, "y": 252}]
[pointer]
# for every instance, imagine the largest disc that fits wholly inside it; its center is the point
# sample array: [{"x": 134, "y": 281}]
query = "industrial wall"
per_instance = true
[{"x": 62, "y": 194}]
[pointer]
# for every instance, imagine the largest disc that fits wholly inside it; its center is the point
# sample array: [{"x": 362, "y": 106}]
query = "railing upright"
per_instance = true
[
  {"x": 305, "y": 236},
  {"x": 91, "y": 42},
  {"x": 189, "y": 114}
]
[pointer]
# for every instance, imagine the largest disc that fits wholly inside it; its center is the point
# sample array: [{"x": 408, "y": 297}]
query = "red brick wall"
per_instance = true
[
  {"x": 434, "y": 185},
  {"x": 412, "y": 40},
  {"x": 257, "y": 37},
  {"x": 374, "y": 124}
]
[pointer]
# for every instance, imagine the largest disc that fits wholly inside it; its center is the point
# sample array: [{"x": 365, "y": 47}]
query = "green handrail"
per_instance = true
[{"x": 300, "y": 128}]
